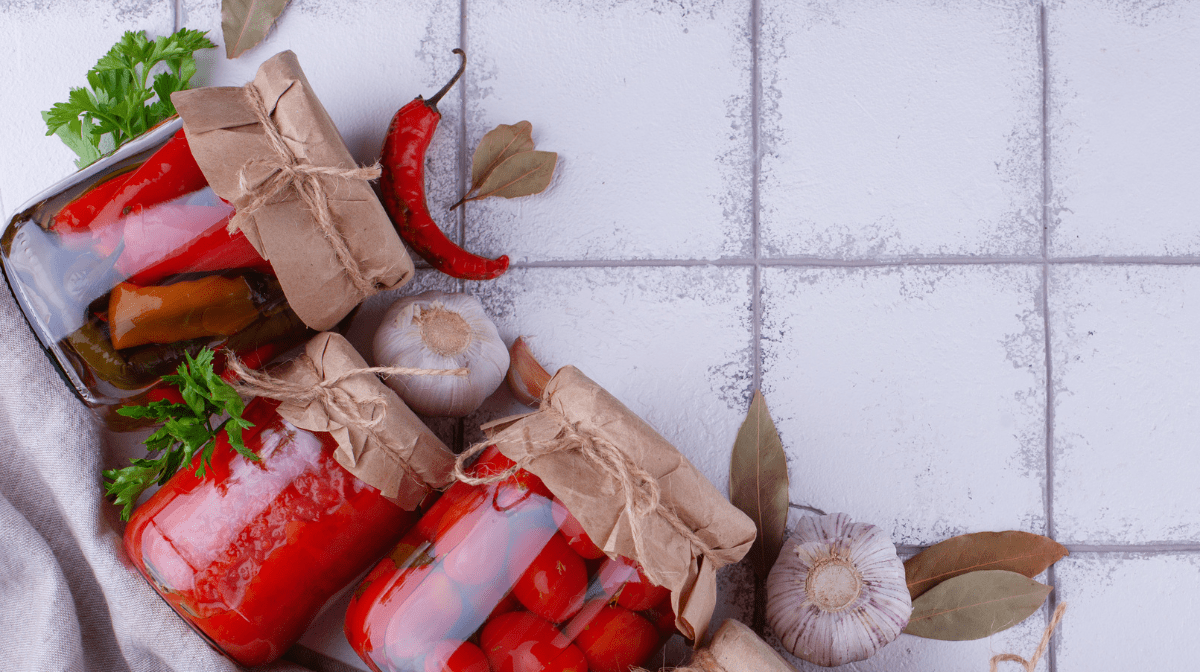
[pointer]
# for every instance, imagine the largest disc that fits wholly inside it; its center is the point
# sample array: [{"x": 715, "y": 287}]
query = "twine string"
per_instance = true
[
  {"x": 1031, "y": 664},
  {"x": 702, "y": 661},
  {"x": 288, "y": 173},
  {"x": 639, "y": 488},
  {"x": 342, "y": 406}
]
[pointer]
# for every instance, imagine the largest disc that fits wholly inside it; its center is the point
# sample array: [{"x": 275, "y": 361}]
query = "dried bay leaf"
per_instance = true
[
  {"x": 497, "y": 145},
  {"x": 246, "y": 22},
  {"x": 975, "y": 605},
  {"x": 505, "y": 164},
  {"x": 521, "y": 174},
  {"x": 758, "y": 483},
  {"x": 1021, "y": 552}
]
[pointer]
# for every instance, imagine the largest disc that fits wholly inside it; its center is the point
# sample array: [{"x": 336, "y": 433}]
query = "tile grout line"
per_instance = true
[
  {"x": 804, "y": 262},
  {"x": 759, "y": 611},
  {"x": 460, "y": 427},
  {"x": 755, "y": 174},
  {"x": 1051, "y": 578},
  {"x": 1181, "y": 548}
]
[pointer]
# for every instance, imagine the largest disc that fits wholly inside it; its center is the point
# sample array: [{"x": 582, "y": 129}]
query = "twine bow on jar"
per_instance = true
[
  {"x": 639, "y": 488},
  {"x": 287, "y": 173},
  {"x": 343, "y": 406}
]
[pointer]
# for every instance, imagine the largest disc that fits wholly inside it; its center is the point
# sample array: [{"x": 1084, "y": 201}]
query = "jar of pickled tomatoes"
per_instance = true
[
  {"x": 248, "y": 552},
  {"x": 502, "y": 578}
]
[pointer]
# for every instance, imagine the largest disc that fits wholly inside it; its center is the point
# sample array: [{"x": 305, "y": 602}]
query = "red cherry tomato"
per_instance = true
[
  {"x": 426, "y": 616},
  {"x": 453, "y": 516},
  {"x": 616, "y": 639},
  {"x": 576, "y": 538},
  {"x": 663, "y": 618},
  {"x": 383, "y": 591},
  {"x": 555, "y": 583},
  {"x": 624, "y": 578},
  {"x": 508, "y": 604},
  {"x": 455, "y": 656},
  {"x": 522, "y": 642}
]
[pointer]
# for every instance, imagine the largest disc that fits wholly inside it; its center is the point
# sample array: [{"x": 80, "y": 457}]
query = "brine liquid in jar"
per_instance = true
[
  {"x": 128, "y": 265},
  {"x": 502, "y": 578},
  {"x": 251, "y": 551}
]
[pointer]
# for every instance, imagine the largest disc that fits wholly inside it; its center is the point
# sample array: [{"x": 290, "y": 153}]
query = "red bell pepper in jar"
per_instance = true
[
  {"x": 77, "y": 216},
  {"x": 249, "y": 552},
  {"x": 162, "y": 235},
  {"x": 497, "y": 564}
]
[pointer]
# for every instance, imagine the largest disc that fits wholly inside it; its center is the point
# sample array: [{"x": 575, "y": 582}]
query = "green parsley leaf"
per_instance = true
[
  {"x": 123, "y": 101},
  {"x": 187, "y": 430}
]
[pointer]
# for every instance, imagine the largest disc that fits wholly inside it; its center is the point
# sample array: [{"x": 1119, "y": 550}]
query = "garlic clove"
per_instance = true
[
  {"x": 439, "y": 330},
  {"x": 526, "y": 377},
  {"x": 837, "y": 592}
]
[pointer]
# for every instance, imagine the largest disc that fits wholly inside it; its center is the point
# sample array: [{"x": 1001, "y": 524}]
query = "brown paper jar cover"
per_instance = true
[
  {"x": 401, "y": 457},
  {"x": 572, "y": 400},
  {"x": 226, "y": 137}
]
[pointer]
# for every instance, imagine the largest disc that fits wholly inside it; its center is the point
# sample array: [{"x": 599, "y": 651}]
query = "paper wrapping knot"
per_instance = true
[
  {"x": 271, "y": 150},
  {"x": 632, "y": 491},
  {"x": 288, "y": 174},
  {"x": 331, "y": 389}
]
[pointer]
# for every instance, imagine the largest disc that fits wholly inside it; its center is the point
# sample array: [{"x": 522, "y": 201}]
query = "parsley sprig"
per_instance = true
[
  {"x": 118, "y": 107},
  {"x": 187, "y": 429}
]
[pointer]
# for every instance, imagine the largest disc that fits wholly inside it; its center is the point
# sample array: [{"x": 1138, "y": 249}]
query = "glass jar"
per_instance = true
[
  {"x": 128, "y": 264},
  {"x": 249, "y": 552},
  {"x": 502, "y": 578}
]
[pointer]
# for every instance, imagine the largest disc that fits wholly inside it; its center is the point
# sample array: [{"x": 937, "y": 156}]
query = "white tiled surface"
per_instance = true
[
  {"x": 1124, "y": 146},
  {"x": 900, "y": 129},
  {"x": 923, "y": 386},
  {"x": 648, "y": 105},
  {"x": 841, "y": 202},
  {"x": 1127, "y": 385},
  {"x": 1129, "y": 611}
]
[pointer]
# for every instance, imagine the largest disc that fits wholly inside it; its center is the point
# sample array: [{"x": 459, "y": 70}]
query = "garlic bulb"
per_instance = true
[
  {"x": 436, "y": 330},
  {"x": 837, "y": 592}
]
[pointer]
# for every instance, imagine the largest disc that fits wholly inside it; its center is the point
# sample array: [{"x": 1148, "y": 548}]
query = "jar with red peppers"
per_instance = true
[
  {"x": 501, "y": 577},
  {"x": 140, "y": 258},
  {"x": 129, "y": 264},
  {"x": 248, "y": 551}
]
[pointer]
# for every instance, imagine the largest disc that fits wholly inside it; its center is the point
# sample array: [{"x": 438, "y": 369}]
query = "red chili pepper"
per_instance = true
[{"x": 403, "y": 190}]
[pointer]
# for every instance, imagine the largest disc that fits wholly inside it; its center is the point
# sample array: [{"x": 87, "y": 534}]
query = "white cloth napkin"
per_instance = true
[{"x": 69, "y": 598}]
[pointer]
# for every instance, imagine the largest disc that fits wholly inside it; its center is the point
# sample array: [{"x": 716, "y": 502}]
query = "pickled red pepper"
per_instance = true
[
  {"x": 250, "y": 551},
  {"x": 210, "y": 306},
  {"x": 77, "y": 216},
  {"x": 159, "y": 237},
  {"x": 168, "y": 244}
]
